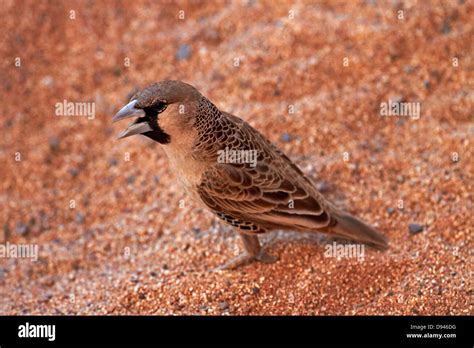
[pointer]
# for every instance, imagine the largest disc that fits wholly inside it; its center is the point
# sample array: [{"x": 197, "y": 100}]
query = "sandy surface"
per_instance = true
[{"x": 116, "y": 233}]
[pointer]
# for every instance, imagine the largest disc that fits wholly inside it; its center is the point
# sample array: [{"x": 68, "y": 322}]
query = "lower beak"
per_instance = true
[
  {"x": 139, "y": 126},
  {"x": 136, "y": 127}
]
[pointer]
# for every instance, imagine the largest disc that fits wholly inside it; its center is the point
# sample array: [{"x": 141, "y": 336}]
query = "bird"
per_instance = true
[{"x": 236, "y": 172}]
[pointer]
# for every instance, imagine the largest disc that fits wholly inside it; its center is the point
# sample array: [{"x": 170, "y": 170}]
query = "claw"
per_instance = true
[{"x": 245, "y": 258}]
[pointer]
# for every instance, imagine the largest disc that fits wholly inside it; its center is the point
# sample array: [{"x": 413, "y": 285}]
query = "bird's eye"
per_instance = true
[{"x": 159, "y": 107}]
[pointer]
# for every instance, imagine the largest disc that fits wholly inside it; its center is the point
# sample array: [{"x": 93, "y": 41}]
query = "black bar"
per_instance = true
[{"x": 227, "y": 330}]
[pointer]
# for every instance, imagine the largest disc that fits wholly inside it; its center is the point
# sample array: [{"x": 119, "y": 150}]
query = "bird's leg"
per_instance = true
[{"x": 253, "y": 251}]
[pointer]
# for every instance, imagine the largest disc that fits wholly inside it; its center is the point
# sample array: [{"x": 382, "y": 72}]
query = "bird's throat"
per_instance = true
[{"x": 158, "y": 135}]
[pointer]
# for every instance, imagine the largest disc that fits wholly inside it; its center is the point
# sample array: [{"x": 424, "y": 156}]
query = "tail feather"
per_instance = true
[{"x": 348, "y": 226}]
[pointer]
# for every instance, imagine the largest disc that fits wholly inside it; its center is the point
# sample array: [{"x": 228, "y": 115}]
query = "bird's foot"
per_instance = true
[{"x": 245, "y": 258}]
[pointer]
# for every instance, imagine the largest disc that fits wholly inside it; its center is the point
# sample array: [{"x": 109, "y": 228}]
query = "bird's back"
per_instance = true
[{"x": 270, "y": 193}]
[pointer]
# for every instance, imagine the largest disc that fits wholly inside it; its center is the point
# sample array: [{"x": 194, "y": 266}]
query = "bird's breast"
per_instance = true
[{"x": 188, "y": 170}]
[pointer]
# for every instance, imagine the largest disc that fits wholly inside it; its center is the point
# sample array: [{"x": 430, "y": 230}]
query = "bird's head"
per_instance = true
[{"x": 160, "y": 110}]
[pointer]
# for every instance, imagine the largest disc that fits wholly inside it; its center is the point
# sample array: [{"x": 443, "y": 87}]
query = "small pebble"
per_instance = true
[
  {"x": 285, "y": 137},
  {"x": 80, "y": 218},
  {"x": 446, "y": 27},
  {"x": 22, "y": 229},
  {"x": 8, "y": 123},
  {"x": 54, "y": 144},
  {"x": 47, "y": 81},
  {"x": 323, "y": 186},
  {"x": 47, "y": 297},
  {"x": 117, "y": 72},
  {"x": 6, "y": 233},
  {"x": 184, "y": 52},
  {"x": 390, "y": 210},
  {"x": 74, "y": 172},
  {"x": 131, "y": 179},
  {"x": 415, "y": 228},
  {"x": 223, "y": 305}
]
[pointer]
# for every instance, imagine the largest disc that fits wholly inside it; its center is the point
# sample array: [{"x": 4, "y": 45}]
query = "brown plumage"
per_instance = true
[{"x": 254, "y": 197}]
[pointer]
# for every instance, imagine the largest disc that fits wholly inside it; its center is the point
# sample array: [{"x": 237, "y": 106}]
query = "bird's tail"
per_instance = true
[{"x": 348, "y": 226}]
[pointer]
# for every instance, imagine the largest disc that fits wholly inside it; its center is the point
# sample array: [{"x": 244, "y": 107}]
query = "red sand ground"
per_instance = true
[{"x": 129, "y": 247}]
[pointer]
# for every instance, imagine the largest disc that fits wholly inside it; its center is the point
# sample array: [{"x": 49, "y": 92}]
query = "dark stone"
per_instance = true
[
  {"x": 74, "y": 172},
  {"x": 8, "y": 123},
  {"x": 255, "y": 290},
  {"x": 80, "y": 218},
  {"x": 446, "y": 27},
  {"x": 390, "y": 210},
  {"x": 32, "y": 222},
  {"x": 285, "y": 137},
  {"x": 415, "y": 228},
  {"x": 22, "y": 229},
  {"x": 54, "y": 144},
  {"x": 184, "y": 52},
  {"x": 131, "y": 179},
  {"x": 117, "y": 71},
  {"x": 6, "y": 232}
]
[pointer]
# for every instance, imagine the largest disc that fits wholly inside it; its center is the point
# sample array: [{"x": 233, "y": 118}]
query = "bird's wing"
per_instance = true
[{"x": 273, "y": 193}]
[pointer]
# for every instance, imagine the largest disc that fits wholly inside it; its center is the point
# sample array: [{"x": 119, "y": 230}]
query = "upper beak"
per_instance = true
[
  {"x": 127, "y": 111},
  {"x": 136, "y": 127}
]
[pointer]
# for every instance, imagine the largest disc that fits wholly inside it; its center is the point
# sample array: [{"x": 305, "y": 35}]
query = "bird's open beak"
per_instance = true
[{"x": 138, "y": 126}]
